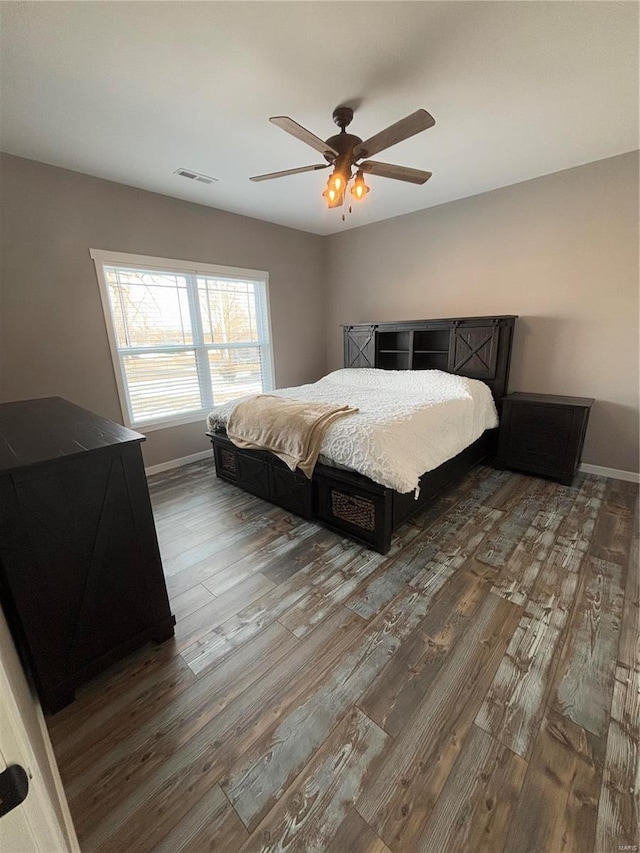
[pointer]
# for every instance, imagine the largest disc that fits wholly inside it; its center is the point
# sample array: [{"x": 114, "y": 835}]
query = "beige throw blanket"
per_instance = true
[{"x": 291, "y": 429}]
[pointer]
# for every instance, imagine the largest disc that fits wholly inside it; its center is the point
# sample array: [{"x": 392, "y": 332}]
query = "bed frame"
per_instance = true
[{"x": 349, "y": 503}]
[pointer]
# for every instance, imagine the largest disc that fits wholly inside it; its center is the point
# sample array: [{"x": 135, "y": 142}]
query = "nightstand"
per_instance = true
[{"x": 543, "y": 434}]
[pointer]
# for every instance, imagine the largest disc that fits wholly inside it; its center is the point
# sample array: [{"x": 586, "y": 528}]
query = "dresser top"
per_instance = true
[{"x": 36, "y": 431}]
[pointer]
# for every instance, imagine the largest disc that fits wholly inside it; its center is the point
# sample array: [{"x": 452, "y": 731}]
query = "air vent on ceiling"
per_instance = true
[{"x": 195, "y": 176}]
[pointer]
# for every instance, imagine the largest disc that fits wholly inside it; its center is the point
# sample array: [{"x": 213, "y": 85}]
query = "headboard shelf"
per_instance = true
[{"x": 477, "y": 347}]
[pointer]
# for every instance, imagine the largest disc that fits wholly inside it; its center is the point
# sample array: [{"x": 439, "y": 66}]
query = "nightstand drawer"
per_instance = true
[{"x": 543, "y": 434}]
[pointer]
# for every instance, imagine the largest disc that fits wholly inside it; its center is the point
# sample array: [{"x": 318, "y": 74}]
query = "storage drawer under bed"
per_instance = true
[
  {"x": 265, "y": 476},
  {"x": 360, "y": 513}
]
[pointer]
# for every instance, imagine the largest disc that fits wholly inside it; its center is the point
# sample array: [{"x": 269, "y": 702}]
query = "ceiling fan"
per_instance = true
[{"x": 344, "y": 150}]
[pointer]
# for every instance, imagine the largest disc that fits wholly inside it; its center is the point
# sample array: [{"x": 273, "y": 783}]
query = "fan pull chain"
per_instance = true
[{"x": 350, "y": 210}]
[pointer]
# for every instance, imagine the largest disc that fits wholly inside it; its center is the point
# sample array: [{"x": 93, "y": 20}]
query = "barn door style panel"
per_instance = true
[
  {"x": 474, "y": 350},
  {"x": 359, "y": 346},
  {"x": 78, "y": 517}
]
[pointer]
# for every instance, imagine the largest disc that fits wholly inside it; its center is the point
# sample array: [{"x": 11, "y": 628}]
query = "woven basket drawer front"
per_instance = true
[
  {"x": 358, "y": 513},
  {"x": 226, "y": 457},
  {"x": 361, "y": 512}
]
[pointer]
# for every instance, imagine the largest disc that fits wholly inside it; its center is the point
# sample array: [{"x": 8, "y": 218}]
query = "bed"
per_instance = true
[{"x": 464, "y": 368}]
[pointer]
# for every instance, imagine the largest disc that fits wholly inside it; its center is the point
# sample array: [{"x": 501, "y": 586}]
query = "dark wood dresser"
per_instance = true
[
  {"x": 543, "y": 434},
  {"x": 81, "y": 578}
]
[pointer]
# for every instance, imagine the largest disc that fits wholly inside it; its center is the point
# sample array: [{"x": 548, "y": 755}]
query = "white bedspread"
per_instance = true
[{"x": 408, "y": 422}]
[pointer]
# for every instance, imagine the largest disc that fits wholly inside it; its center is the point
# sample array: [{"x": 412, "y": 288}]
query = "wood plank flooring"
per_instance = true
[{"x": 476, "y": 689}]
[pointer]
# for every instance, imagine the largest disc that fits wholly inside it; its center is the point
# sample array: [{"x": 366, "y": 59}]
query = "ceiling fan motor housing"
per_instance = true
[{"x": 344, "y": 144}]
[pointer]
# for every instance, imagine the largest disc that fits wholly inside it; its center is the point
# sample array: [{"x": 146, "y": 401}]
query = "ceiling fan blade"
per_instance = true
[
  {"x": 290, "y": 172},
  {"x": 403, "y": 129},
  {"x": 398, "y": 173},
  {"x": 290, "y": 126}
]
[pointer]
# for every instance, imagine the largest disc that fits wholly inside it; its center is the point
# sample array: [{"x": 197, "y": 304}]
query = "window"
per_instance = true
[{"x": 183, "y": 337}]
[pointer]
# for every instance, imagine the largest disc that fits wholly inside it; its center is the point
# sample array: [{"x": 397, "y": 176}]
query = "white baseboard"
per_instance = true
[
  {"x": 614, "y": 473},
  {"x": 177, "y": 463}
]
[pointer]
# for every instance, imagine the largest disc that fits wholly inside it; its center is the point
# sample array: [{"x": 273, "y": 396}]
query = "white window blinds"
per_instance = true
[{"x": 185, "y": 339}]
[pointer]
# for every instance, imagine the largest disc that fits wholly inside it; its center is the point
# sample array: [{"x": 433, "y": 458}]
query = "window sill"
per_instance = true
[{"x": 167, "y": 423}]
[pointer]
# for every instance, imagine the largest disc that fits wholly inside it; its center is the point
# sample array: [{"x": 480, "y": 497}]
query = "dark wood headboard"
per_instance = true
[{"x": 477, "y": 347}]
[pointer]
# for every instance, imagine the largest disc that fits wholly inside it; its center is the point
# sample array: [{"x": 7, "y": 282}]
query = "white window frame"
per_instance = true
[{"x": 102, "y": 257}]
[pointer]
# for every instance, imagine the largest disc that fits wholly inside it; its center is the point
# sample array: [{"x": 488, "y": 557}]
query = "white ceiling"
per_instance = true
[{"x": 130, "y": 91}]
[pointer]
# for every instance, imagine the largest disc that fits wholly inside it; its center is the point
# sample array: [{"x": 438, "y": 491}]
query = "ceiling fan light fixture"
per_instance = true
[
  {"x": 338, "y": 180},
  {"x": 359, "y": 188},
  {"x": 334, "y": 197}
]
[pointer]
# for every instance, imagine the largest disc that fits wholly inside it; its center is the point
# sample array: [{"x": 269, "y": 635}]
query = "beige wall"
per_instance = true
[
  {"x": 560, "y": 251},
  {"x": 52, "y": 331}
]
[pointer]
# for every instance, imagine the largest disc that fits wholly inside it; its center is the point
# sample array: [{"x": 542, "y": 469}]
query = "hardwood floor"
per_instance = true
[{"x": 476, "y": 689}]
